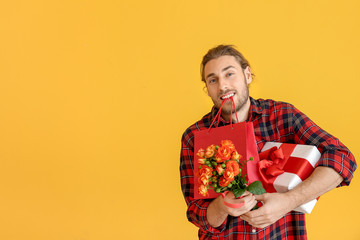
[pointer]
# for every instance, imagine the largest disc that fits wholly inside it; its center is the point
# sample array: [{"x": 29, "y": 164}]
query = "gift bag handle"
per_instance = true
[{"x": 217, "y": 116}]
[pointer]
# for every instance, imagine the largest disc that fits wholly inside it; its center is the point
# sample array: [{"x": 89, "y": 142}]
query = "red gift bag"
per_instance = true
[{"x": 242, "y": 136}]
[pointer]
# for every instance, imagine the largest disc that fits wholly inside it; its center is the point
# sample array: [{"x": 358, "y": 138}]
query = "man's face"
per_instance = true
[{"x": 224, "y": 78}]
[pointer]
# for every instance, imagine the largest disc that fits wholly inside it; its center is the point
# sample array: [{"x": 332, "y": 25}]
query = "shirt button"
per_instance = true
[{"x": 254, "y": 230}]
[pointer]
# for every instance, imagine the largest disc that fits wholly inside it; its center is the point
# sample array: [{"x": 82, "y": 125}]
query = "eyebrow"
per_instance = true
[{"x": 223, "y": 70}]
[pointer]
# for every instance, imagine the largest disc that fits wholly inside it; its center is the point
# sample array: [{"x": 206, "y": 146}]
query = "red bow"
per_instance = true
[{"x": 272, "y": 160}]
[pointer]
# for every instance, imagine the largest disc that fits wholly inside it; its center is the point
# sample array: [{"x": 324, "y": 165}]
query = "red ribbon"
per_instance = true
[
  {"x": 232, "y": 205},
  {"x": 276, "y": 161},
  {"x": 218, "y": 115}
]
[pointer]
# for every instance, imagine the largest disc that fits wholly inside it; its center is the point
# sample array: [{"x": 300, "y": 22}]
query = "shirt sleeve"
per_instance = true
[
  {"x": 196, "y": 208},
  {"x": 334, "y": 154}
]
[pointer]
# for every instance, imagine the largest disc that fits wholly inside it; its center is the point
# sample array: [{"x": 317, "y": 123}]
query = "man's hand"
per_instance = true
[
  {"x": 248, "y": 199},
  {"x": 217, "y": 211},
  {"x": 275, "y": 206}
]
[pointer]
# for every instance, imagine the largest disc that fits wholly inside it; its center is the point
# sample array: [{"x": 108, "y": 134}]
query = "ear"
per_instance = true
[
  {"x": 248, "y": 76},
  {"x": 205, "y": 90}
]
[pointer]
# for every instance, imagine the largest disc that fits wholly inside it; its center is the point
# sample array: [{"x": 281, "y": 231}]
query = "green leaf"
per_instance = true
[
  {"x": 238, "y": 192},
  {"x": 256, "y": 188}
]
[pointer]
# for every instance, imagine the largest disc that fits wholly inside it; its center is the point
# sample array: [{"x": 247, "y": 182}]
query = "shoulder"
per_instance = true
[{"x": 270, "y": 106}]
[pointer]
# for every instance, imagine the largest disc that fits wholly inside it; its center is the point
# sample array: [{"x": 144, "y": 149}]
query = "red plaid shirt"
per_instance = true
[{"x": 273, "y": 122}]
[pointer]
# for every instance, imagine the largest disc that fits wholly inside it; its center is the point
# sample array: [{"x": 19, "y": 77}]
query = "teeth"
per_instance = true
[{"x": 227, "y": 96}]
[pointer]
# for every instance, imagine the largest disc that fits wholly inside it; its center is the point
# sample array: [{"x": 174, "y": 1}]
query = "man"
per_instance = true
[{"x": 227, "y": 73}]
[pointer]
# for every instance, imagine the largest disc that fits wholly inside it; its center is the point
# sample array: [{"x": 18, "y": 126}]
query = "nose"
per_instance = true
[{"x": 223, "y": 85}]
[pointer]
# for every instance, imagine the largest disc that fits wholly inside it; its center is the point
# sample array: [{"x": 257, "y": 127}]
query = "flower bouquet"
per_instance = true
[{"x": 220, "y": 168}]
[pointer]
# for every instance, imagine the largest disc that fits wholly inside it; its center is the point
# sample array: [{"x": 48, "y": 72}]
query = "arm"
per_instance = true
[
  {"x": 276, "y": 205},
  {"x": 336, "y": 166},
  {"x": 334, "y": 154},
  {"x": 196, "y": 208},
  {"x": 322, "y": 180}
]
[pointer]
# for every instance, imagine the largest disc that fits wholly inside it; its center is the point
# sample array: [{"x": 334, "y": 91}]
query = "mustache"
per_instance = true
[{"x": 226, "y": 92}]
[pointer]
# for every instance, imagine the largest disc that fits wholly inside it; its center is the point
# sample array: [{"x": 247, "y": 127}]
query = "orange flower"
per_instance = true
[
  {"x": 228, "y": 143},
  {"x": 224, "y": 182},
  {"x": 203, "y": 190},
  {"x": 235, "y": 155},
  {"x": 201, "y": 153},
  {"x": 229, "y": 174},
  {"x": 204, "y": 180},
  {"x": 224, "y": 153},
  {"x": 233, "y": 166},
  {"x": 218, "y": 160},
  {"x": 201, "y": 160},
  {"x": 205, "y": 170},
  {"x": 219, "y": 169},
  {"x": 210, "y": 151}
]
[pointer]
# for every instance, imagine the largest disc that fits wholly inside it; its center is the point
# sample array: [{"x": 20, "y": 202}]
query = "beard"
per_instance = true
[{"x": 242, "y": 98}]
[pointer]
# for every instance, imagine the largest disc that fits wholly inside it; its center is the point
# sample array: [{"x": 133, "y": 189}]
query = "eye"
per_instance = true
[
  {"x": 212, "y": 80},
  {"x": 230, "y": 74}
]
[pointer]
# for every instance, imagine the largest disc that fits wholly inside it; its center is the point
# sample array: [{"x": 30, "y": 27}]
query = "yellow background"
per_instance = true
[{"x": 95, "y": 95}]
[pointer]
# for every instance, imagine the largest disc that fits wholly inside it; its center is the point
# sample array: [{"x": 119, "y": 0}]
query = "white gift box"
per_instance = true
[{"x": 287, "y": 181}]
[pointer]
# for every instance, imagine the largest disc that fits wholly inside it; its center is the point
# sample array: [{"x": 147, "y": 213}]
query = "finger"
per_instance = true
[
  {"x": 248, "y": 198},
  {"x": 260, "y": 225},
  {"x": 245, "y": 208},
  {"x": 230, "y": 194},
  {"x": 256, "y": 222},
  {"x": 264, "y": 225},
  {"x": 261, "y": 197},
  {"x": 256, "y": 213},
  {"x": 240, "y": 200},
  {"x": 248, "y": 216},
  {"x": 259, "y": 221},
  {"x": 250, "y": 203},
  {"x": 246, "y": 193}
]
